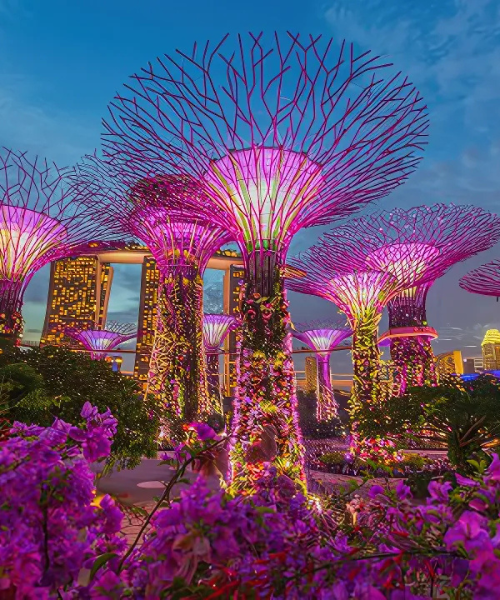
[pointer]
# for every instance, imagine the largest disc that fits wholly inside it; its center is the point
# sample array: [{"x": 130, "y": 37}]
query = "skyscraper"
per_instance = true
[
  {"x": 147, "y": 315},
  {"x": 311, "y": 369},
  {"x": 491, "y": 350},
  {"x": 79, "y": 291}
]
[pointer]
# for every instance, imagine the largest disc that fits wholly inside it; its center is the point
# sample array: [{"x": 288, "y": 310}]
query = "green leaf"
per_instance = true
[{"x": 100, "y": 561}]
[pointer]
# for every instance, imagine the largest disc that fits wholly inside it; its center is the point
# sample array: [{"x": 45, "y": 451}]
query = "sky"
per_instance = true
[{"x": 61, "y": 63}]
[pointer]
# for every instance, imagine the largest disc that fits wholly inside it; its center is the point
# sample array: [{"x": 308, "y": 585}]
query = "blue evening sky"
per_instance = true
[{"x": 61, "y": 62}]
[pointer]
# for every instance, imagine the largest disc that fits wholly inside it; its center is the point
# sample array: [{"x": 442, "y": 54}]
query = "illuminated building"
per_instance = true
[
  {"x": 449, "y": 363},
  {"x": 491, "y": 350},
  {"x": 311, "y": 368},
  {"x": 79, "y": 291},
  {"x": 78, "y": 297},
  {"x": 150, "y": 280}
]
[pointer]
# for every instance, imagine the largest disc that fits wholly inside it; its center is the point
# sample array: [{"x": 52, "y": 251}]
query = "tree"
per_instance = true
[
  {"x": 42, "y": 384},
  {"x": 463, "y": 414}
]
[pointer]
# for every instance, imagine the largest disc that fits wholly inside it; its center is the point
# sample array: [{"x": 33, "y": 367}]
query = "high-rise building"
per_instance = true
[
  {"x": 449, "y": 363},
  {"x": 232, "y": 289},
  {"x": 311, "y": 369},
  {"x": 147, "y": 316},
  {"x": 79, "y": 291},
  {"x": 491, "y": 350}
]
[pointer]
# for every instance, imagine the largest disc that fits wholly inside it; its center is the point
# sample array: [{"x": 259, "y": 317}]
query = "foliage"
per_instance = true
[
  {"x": 50, "y": 532},
  {"x": 464, "y": 414},
  {"x": 276, "y": 544},
  {"x": 46, "y": 383}
]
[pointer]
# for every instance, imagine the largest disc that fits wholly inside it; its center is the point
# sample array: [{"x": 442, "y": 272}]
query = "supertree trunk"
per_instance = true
[
  {"x": 177, "y": 369},
  {"x": 366, "y": 361},
  {"x": 326, "y": 407},
  {"x": 414, "y": 359},
  {"x": 213, "y": 378},
  {"x": 11, "y": 301},
  {"x": 266, "y": 429}
]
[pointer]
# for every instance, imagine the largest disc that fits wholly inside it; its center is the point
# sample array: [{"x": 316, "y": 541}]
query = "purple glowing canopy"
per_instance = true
[
  {"x": 41, "y": 219},
  {"x": 389, "y": 252},
  {"x": 281, "y": 133},
  {"x": 215, "y": 329},
  {"x": 321, "y": 336},
  {"x": 98, "y": 341},
  {"x": 151, "y": 209},
  {"x": 484, "y": 280}
]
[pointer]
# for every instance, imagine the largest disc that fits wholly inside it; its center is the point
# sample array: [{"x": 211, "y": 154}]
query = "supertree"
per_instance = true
[
  {"x": 182, "y": 247},
  {"x": 442, "y": 235},
  {"x": 392, "y": 256},
  {"x": 282, "y": 134},
  {"x": 215, "y": 329},
  {"x": 41, "y": 220},
  {"x": 484, "y": 280},
  {"x": 99, "y": 341},
  {"x": 323, "y": 338}
]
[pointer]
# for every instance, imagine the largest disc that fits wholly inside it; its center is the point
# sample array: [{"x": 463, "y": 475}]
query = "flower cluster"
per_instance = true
[
  {"x": 49, "y": 529},
  {"x": 277, "y": 543}
]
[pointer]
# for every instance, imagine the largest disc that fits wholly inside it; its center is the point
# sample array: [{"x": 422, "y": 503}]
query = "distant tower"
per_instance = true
[
  {"x": 491, "y": 350},
  {"x": 311, "y": 369},
  {"x": 150, "y": 281},
  {"x": 79, "y": 290}
]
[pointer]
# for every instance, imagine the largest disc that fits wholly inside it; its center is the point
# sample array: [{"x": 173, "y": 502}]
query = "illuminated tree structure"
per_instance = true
[
  {"x": 40, "y": 221},
  {"x": 182, "y": 247},
  {"x": 391, "y": 256},
  {"x": 215, "y": 330},
  {"x": 100, "y": 341},
  {"x": 484, "y": 280},
  {"x": 434, "y": 238},
  {"x": 282, "y": 133},
  {"x": 323, "y": 340}
]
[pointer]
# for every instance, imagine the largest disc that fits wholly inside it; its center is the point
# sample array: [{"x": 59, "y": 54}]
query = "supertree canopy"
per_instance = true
[
  {"x": 41, "y": 220},
  {"x": 182, "y": 247},
  {"x": 99, "y": 341},
  {"x": 215, "y": 329},
  {"x": 282, "y": 133},
  {"x": 484, "y": 280},
  {"x": 391, "y": 256},
  {"x": 323, "y": 338},
  {"x": 435, "y": 238}
]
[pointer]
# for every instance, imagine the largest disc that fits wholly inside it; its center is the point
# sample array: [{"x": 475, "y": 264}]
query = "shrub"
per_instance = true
[{"x": 46, "y": 383}]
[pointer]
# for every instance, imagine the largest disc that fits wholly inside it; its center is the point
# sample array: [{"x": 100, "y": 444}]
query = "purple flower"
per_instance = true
[{"x": 203, "y": 431}]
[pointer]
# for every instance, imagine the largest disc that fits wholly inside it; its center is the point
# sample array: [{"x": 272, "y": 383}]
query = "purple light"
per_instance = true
[
  {"x": 484, "y": 280},
  {"x": 41, "y": 220},
  {"x": 263, "y": 189},
  {"x": 215, "y": 329},
  {"x": 100, "y": 341},
  {"x": 27, "y": 241},
  {"x": 323, "y": 341},
  {"x": 281, "y": 133}
]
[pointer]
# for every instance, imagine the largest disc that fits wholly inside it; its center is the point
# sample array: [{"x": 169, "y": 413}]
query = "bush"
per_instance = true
[
  {"x": 54, "y": 543},
  {"x": 46, "y": 383}
]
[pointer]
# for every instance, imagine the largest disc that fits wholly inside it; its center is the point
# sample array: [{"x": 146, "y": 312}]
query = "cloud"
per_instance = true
[{"x": 451, "y": 52}]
